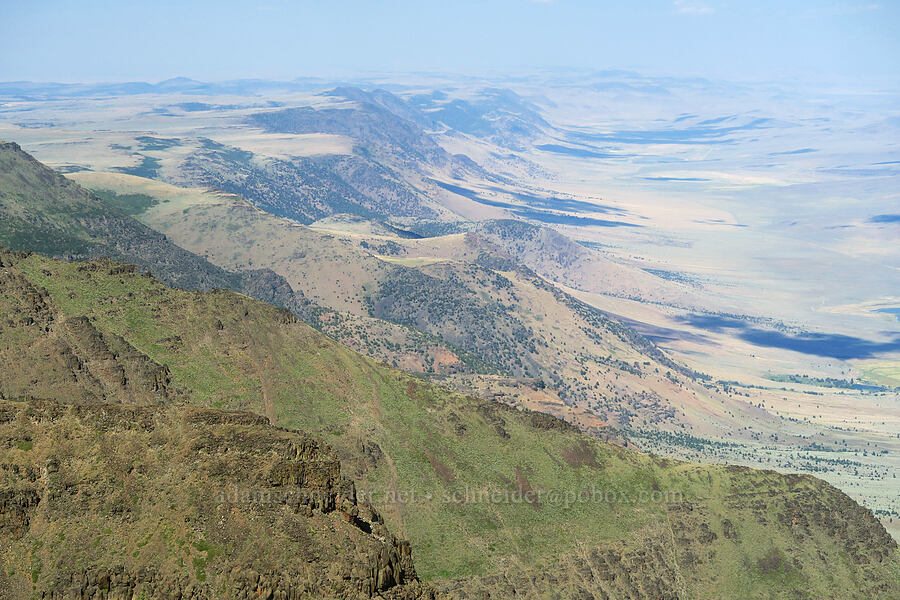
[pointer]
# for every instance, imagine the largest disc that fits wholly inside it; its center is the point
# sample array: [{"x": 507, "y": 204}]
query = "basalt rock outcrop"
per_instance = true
[
  {"x": 114, "y": 501},
  {"x": 69, "y": 354}
]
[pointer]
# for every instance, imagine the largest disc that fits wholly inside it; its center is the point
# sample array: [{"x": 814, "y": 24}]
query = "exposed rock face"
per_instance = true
[
  {"x": 117, "y": 364},
  {"x": 809, "y": 514},
  {"x": 111, "y": 501},
  {"x": 596, "y": 574},
  {"x": 70, "y": 354}
]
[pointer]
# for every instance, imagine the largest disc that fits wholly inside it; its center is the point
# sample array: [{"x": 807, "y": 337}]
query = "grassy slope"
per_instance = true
[
  {"x": 231, "y": 232},
  {"x": 42, "y": 211},
  {"x": 399, "y": 435},
  {"x": 24, "y": 185}
]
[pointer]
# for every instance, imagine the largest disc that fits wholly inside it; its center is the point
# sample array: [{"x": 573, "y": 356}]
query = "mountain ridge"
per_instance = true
[
  {"x": 47, "y": 212},
  {"x": 398, "y": 435}
]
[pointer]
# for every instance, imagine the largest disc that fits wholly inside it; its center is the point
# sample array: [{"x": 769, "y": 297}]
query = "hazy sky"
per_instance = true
[{"x": 68, "y": 40}]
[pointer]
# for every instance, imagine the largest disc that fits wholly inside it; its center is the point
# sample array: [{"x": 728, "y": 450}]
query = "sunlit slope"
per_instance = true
[
  {"x": 427, "y": 456},
  {"x": 465, "y": 305}
]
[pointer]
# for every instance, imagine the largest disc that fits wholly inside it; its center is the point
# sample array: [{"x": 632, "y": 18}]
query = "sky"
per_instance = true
[{"x": 742, "y": 40}]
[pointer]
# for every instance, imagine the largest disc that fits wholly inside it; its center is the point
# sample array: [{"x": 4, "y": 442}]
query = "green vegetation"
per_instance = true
[
  {"x": 130, "y": 204},
  {"x": 156, "y": 143},
  {"x": 164, "y": 509},
  {"x": 148, "y": 167},
  {"x": 684, "y": 440},
  {"x": 826, "y": 382},
  {"x": 673, "y": 276},
  {"x": 306, "y": 189},
  {"x": 480, "y": 490},
  {"x": 40, "y": 208},
  {"x": 42, "y": 211}
]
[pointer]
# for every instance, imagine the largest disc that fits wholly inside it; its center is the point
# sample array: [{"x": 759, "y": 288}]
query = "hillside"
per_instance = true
[
  {"x": 301, "y": 188},
  {"x": 166, "y": 501},
  {"x": 42, "y": 211},
  {"x": 557, "y": 258},
  {"x": 468, "y": 309},
  {"x": 381, "y": 124},
  {"x": 461, "y": 307},
  {"x": 379, "y": 175},
  {"x": 492, "y": 499}
]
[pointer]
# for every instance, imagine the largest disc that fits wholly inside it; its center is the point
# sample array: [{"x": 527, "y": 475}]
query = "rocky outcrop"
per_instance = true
[
  {"x": 179, "y": 502},
  {"x": 600, "y": 573},
  {"x": 70, "y": 357},
  {"x": 114, "y": 363}
]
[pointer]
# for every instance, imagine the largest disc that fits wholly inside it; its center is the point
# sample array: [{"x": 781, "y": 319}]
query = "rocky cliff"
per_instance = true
[{"x": 118, "y": 502}]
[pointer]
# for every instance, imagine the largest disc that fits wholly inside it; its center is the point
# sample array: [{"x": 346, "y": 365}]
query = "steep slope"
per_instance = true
[
  {"x": 116, "y": 501},
  {"x": 387, "y": 132},
  {"x": 42, "y": 211},
  {"x": 382, "y": 133},
  {"x": 231, "y": 233},
  {"x": 380, "y": 176},
  {"x": 494, "y": 500},
  {"x": 454, "y": 306},
  {"x": 559, "y": 259},
  {"x": 301, "y": 188},
  {"x": 498, "y": 115}
]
